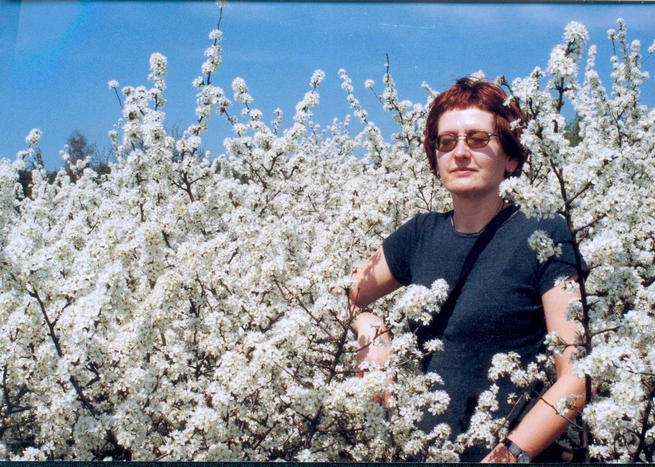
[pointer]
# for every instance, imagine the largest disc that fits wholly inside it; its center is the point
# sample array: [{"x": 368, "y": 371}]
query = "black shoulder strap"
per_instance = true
[{"x": 439, "y": 321}]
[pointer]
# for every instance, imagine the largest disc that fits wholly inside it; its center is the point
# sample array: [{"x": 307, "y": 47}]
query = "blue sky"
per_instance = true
[{"x": 56, "y": 57}]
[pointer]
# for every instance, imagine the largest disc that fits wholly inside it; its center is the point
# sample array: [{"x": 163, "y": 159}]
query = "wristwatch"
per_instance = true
[{"x": 519, "y": 454}]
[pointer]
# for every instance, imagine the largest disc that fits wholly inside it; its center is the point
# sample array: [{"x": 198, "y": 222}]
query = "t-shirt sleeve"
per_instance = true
[
  {"x": 398, "y": 249},
  {"x": 558, "y": 266}
]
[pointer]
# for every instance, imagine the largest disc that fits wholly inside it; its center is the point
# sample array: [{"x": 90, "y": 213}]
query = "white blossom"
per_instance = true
[
  {"x": 158, "y": 63},
  {"x": 543, "y": 245},
  {"x": 317, "y": 78},
  {"x": 33, "y": 137},
  {"x": 181, "y": 308},
  {"x": 240, "y": 90}
]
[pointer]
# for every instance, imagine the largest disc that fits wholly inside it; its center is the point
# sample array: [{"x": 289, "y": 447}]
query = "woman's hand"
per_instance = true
[
  {"x": 499, "y": 455},
  {"x": 374, "y": 342}
]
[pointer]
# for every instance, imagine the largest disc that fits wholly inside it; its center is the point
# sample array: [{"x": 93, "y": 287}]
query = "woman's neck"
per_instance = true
[{"x": 471, "y": 215}]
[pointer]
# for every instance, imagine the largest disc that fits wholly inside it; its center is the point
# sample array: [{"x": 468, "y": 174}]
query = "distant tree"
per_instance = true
[
  {"x": 572, "y": 131},
  {"x": 79, "y": 148},
  {"x": 100, "y": 160}
]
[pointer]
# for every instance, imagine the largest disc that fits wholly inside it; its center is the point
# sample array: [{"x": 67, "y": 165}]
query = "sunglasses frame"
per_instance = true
[{"x": 466, "y": 136}]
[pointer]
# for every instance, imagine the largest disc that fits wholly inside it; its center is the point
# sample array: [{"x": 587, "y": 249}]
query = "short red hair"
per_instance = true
[{"x": 466, "y": 93}]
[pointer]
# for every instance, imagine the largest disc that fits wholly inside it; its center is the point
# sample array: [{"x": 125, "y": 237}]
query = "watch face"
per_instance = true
[{"x": 523, "y": 458}]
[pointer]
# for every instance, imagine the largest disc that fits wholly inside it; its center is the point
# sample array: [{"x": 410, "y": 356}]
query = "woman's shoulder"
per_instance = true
[
  {"x": 540, "y": 222},
  {"x": 432, "y": 216},
  {"x": 417, "y": 226},
  {"x": 554, "y": 225},
  {"x": 430, "y": 219}
]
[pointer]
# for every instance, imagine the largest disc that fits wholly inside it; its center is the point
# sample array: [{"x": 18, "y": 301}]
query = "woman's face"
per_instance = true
[{"x": 467, "y": 172}]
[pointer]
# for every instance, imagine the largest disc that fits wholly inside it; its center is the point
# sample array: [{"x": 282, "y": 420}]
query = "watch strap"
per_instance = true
[{"x": 519, "y": 454}]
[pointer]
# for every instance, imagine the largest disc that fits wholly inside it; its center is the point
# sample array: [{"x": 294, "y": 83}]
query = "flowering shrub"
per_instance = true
[{"x": 180, "y": 308}]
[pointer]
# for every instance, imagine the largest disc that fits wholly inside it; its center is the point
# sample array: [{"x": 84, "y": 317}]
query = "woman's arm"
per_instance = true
[
  {"x": 373, "y": 280},
  {"x": 542, "y": 425}
]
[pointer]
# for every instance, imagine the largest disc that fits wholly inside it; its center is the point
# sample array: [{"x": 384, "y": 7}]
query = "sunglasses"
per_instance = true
[{"x": 475, "y": 139}]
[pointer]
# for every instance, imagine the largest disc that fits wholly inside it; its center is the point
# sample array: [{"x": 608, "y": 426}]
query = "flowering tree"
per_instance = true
[
  {"x": 181, "y": 308},
  {"x": 602, "y": 187}
]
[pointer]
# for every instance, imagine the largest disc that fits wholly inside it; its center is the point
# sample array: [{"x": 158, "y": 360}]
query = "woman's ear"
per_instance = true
[{"x": 511, "y": 165}]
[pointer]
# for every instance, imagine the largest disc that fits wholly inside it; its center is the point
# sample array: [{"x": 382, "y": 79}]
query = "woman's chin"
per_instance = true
[
  {"x": 468, "y": 190},
  {"x": 461, "y": 186}
]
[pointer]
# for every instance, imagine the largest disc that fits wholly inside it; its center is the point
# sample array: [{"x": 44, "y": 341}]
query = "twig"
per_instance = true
[
  {"x": 302, "y": 305},
  {"x": 55, "y": 341}
]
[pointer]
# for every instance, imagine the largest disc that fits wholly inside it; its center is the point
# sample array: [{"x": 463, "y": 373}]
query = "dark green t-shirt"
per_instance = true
[{"x": 499, "y": 309}]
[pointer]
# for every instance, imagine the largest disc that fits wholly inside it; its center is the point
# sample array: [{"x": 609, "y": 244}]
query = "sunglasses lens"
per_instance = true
[
  {"x": 477, "y": 139},
  {"x": 446, "y": 142}
]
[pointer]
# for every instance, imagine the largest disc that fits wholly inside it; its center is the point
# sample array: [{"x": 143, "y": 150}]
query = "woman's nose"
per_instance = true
[{"x": 461, "y": 149}]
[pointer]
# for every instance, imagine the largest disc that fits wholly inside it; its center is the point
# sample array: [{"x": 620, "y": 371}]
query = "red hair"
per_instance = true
[{"x": 466, "y": 93}]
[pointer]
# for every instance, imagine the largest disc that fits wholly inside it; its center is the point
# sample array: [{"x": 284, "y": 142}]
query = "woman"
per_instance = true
[{"x": 509, "y": 300}]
